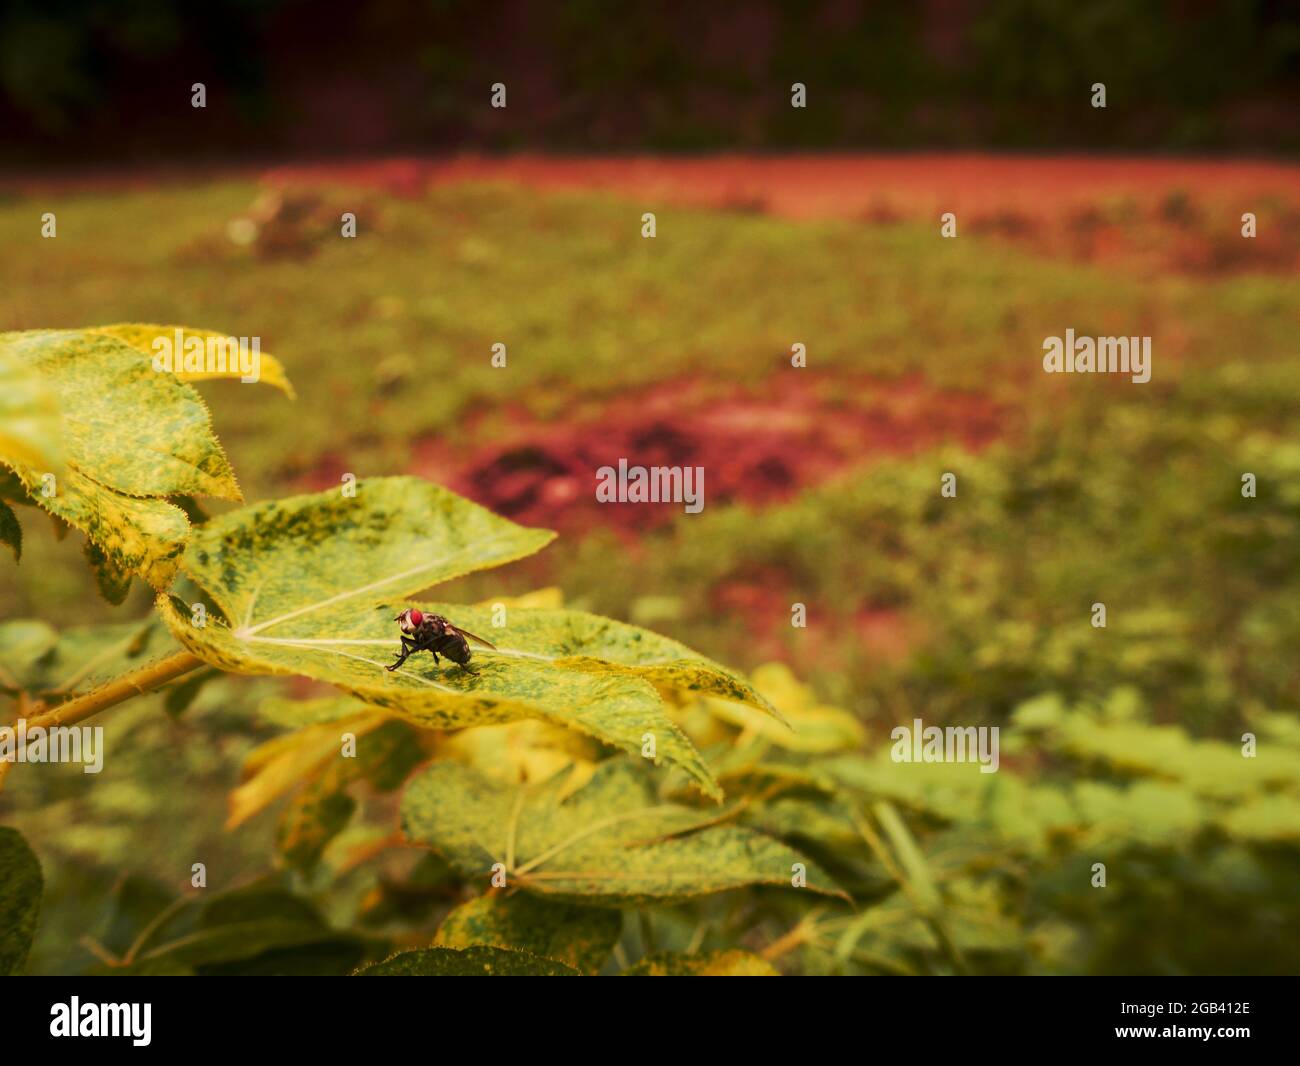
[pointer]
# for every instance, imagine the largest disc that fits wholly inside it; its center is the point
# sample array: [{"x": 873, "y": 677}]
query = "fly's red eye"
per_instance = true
[{"x": 416, "y": 617}]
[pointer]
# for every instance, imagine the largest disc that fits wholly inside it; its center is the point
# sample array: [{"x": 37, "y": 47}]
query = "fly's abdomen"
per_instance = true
[{"x": 454, "y": 648}]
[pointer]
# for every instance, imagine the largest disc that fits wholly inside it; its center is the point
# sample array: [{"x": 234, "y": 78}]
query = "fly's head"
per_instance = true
[{"x": 409, "y": 620}]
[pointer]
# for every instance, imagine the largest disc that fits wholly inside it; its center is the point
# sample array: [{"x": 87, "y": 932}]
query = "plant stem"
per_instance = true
[{"x": 136, "y": 683}]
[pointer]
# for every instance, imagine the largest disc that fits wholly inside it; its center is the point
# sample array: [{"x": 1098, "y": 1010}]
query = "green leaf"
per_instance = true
[
  {"x": 23, "y": 643},
  {"x": 581, "y": 937},
  {"x": 312, "y": 818},
  {"x": 471, "y": 962},
  {"x": 21, "y": 885},
  {"x": 613, "y": 842},
  {"x": 37, "y": 660},
  {"x": 1265, "y": 820},
  {"x": 11, "y": 533},
  {"x": 141, "y": 337},
  {"x": 113, "y": 583},
  {"x": 309, "y": 584},
  {"x": 244, "y": 924},
  {"x": 710, "y": 964}
]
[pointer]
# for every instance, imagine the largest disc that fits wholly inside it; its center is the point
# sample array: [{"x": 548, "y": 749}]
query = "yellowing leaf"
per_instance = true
[
  {"x": 143, "y": 337},
  {"x": 295, "y": 714},
  {"x": 613, "y": 842},
  {"x": 550, "y": 597},
  {"x": 812, "y": 727},
  {"x": 130, "y": 428},
  {"x": 282, "y": 763},
  {"x": 519, "y": 752},
  {"x": 581, "y": 937},
  {"x": 143, "y": 537},
  {"x": 96, "y": 437},
  {"x": 710, "y": 964},
  {"x": 31, "y": 427}
]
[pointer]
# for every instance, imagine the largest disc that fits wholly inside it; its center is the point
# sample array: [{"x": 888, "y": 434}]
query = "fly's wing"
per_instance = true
[{"x": 467, "y": 633}]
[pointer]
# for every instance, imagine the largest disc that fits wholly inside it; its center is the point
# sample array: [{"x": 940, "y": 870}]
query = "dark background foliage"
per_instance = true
[{"x": 293, "y": 76}]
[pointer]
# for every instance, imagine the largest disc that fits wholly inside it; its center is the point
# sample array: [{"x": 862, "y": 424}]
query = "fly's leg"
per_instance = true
[{"x": 408, "y": 646}]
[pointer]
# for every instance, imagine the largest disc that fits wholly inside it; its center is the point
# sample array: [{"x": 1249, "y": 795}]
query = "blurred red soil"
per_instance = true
[
  {"x": 755, "y": 447},
  {"x": 840, "y": 186},
  {"x": 1160, "y": 214}
]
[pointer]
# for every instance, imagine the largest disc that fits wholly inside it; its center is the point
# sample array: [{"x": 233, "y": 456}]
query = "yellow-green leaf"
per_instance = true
[
  {"x": 309, "y": 585},
  {"x": 347, "y": 651},
  {"x": 31, "y": 427},
  {"x": 309, "y": 559},
  {"x": 1265, "y": 820},
  {"x": 142, "y": 537},
  {"x": 581, "y": 641},
  {"x": 142, "y": 337},
  {"x": 127, "y": 426},
  {"x": 613, "y": 842},
  {"x": 581, "y": 937}
]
